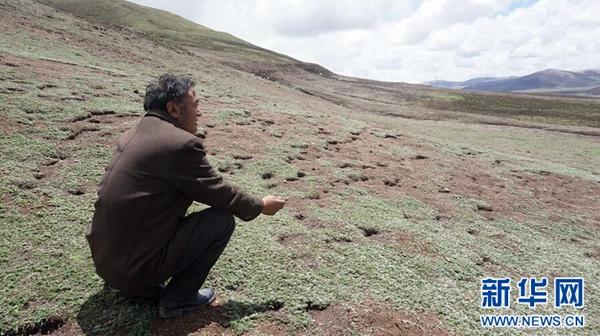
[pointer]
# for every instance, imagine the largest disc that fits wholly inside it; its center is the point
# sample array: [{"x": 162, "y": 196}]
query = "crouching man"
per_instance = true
[{"x": 140, "y": 236}]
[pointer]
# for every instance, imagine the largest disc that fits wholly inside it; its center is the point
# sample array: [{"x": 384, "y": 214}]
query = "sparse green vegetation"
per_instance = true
[
  {"x": 570, "y": 112},
  {"x": 161, "y": 26},
  {"x": 405, "y": 214}
]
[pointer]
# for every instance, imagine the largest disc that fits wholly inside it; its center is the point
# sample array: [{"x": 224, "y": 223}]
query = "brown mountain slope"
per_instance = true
[
  {"x": 391, "y": 222},
  {"x": 412, "y": 101}
]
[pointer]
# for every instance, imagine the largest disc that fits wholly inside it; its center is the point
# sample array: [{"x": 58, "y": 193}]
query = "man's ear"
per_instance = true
[{"x": 173, "y": 109}]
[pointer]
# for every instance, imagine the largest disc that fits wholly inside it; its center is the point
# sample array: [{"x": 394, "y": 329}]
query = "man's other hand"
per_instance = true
[{"x": 272, "y": 204}]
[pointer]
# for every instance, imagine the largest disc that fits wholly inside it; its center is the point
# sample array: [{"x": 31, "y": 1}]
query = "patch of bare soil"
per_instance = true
[
  {"x": 369, "y": 318},
  {"x": 525, "y": 196},
  {"x": 373, "y": 318},
  {"x": 78, "y": 128},
  {"x": 44, "y": 69},
  {"x": 378, "y": 170},
  {"x": 292, "y": 240},
  {"x": 501, "y": 239},
  {"x": 211, "y": 320},
  {"x": 98, "y": 127},
  {"x": 46, "y": 326},
  {"x": 593, "y": 254},
  {"x": 405, "y": 241},
  {"x": 7, "y": 126},
  {"x": 562, "y": 193},
  {"x": 238, "y": 138},
  {"x": 214, "y": 320},
  {"x": 305, "y": 253},
  {"x": 436, "y": 179},
  {"x": 267, "y": 328},
  {"x": 68, "y": 329}
]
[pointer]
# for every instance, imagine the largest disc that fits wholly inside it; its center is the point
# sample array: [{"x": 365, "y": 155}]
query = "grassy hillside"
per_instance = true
[
  {"x": 373, "y": 96},
  {"x": 161, "y": 25},
  {"x": 397, "y": 207}
]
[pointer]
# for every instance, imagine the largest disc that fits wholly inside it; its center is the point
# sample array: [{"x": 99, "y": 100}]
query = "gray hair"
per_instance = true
[{"x": 168, "y": 87}]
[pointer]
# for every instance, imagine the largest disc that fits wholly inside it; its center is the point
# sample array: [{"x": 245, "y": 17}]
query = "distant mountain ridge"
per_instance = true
[
  {"x": 459, "y": 85},
  {"x": 585, "y": 82}
]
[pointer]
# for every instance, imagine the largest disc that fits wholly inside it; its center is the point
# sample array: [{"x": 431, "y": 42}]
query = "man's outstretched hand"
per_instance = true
[{"x": 272, "y": 204}]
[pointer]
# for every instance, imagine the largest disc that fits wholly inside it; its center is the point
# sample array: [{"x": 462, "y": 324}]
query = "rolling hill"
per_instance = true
[
  {"x": 161, "y": 26},
  {"x": 377, "y": 97},
  {"x": 400, "y": 198}
]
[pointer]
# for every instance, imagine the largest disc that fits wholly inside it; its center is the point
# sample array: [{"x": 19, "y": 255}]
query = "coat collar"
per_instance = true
[{"x": 164, "y": 115}]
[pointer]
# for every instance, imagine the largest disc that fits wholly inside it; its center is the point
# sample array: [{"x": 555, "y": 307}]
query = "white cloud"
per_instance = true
[
  {"x": 309, "y": 18},
  {"x": 413, "y": 41},
  {"x": 435, "y": 15}
]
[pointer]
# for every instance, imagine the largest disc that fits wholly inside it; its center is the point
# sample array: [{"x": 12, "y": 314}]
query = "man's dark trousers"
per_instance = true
[{"x": 211, "y": 230}]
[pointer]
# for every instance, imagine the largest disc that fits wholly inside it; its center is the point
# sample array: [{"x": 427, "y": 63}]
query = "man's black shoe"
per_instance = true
[{"x": 168, "y": 309}]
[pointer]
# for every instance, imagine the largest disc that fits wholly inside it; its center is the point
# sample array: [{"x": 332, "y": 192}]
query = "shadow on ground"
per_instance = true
[{"x": 107, "y": 313}]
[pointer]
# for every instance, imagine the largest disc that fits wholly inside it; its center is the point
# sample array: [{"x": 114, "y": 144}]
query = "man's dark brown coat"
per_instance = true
[{"x": 156, "y": 171}]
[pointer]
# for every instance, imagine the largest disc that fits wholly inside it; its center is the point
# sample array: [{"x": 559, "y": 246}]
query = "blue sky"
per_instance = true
[
  {"x": 412, "y": 41},
  {"x": 515, "y": 5}
]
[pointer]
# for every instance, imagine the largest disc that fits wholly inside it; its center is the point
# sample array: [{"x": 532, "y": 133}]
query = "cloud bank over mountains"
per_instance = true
[{"x": 412, "y": 41}]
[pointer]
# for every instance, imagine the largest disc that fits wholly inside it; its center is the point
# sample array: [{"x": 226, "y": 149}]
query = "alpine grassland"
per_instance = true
[{"x": 400, "y": 198}]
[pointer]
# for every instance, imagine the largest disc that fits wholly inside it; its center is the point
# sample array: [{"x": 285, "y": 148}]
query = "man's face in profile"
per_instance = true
[{"x": 189, "y": 112}]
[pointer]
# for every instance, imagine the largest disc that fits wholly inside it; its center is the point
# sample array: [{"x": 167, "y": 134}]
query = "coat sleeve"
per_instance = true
[{"x": 197, "y": 179}]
